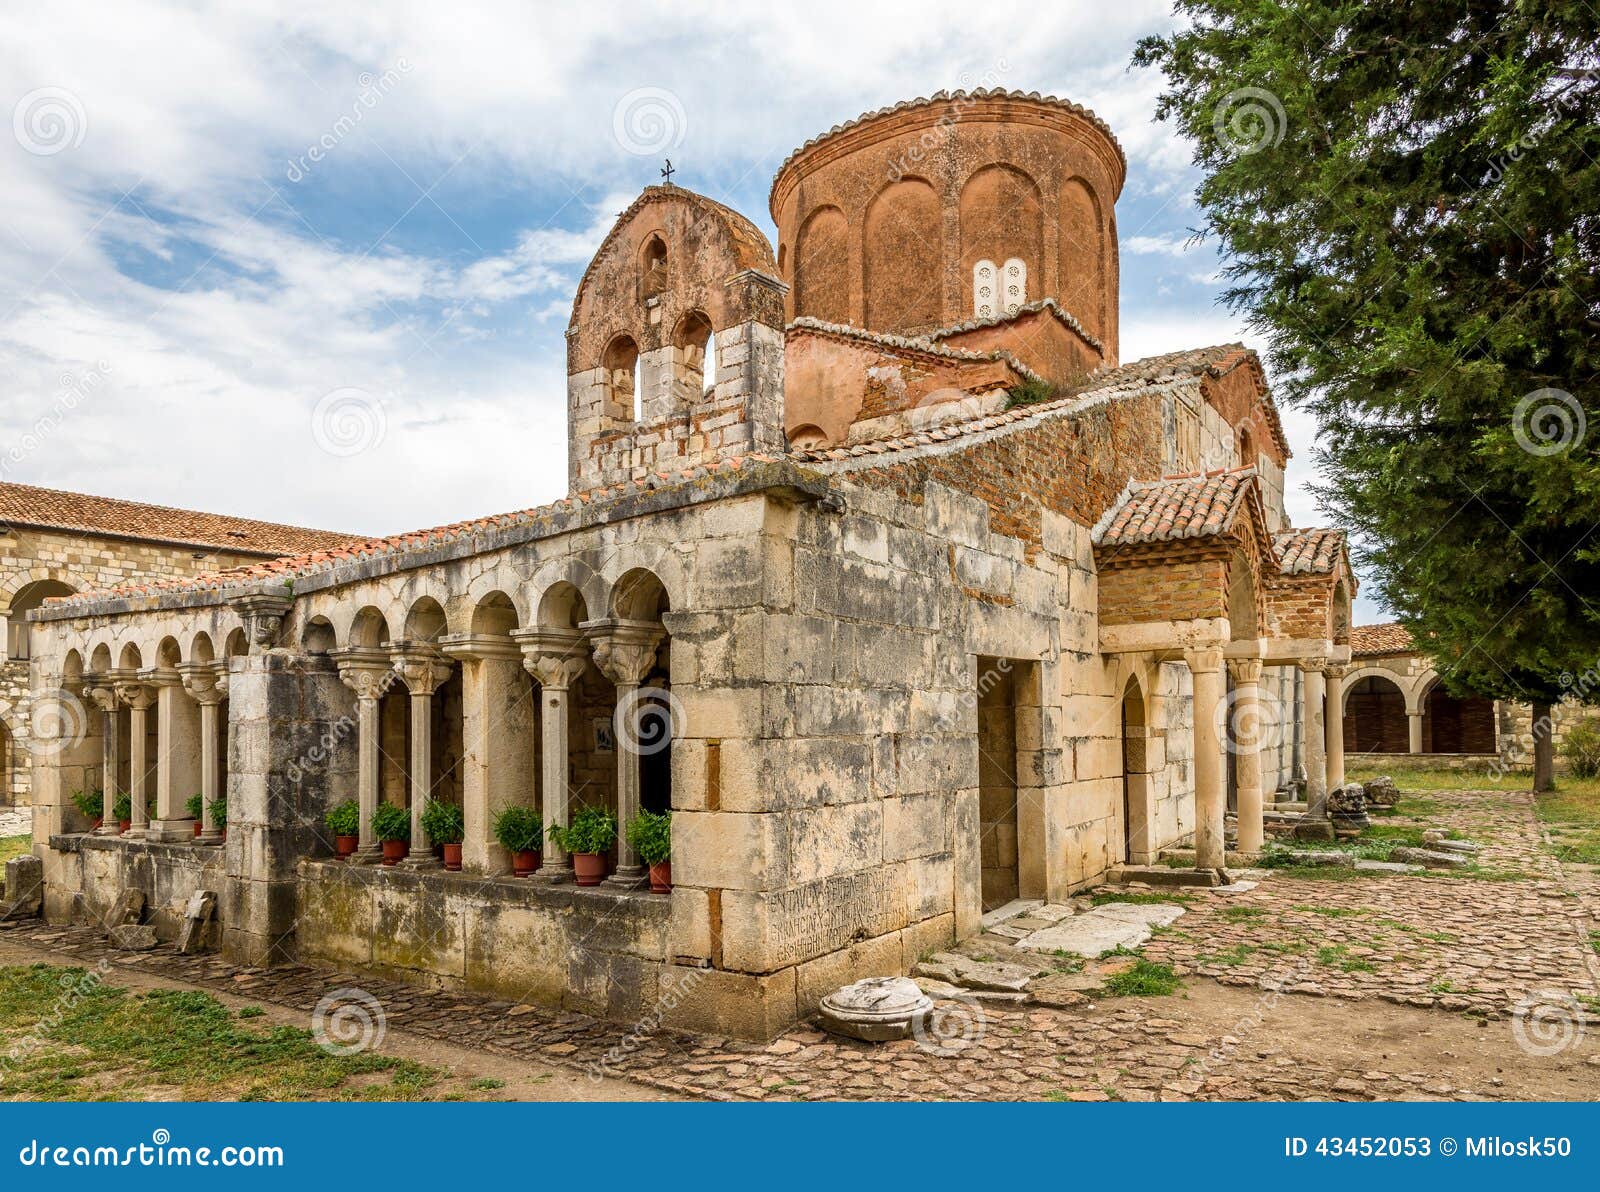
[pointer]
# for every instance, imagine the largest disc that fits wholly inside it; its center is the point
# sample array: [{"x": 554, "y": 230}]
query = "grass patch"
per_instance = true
[
  {"x": 1235, "y": 955},
  {"x": 101, "y": 1042},
  {"x": 1338, "y": 956},
  {"x": 1066, "y": 962},
  {"x": 1141, "y": 899},
  {"x": 1334, "y": 912},
  {"x": 1571, "y": 814},
  {"x": 1145, "y": 979},
  {"x": 14, "y": 846},
  {"x": 1242, "y": 914}
]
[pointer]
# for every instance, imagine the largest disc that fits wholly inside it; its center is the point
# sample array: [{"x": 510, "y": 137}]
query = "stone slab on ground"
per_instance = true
[
  {"x": 1149, "y": 913},
  {"x": 196, "y": 917},
  {"x": 1385, "y": 866},
  {"x": 133, "y": 937},
  {"x": 128, "y": 908},
  {"x": 1088, "y": 934},
  {"x": 943, "y": 990},
  {"x": 1017, "y": 906},
  {"x": 957, "y": 969},
  {"x": 1431, "y": 858},
  {"x": 24, "y": 887}
]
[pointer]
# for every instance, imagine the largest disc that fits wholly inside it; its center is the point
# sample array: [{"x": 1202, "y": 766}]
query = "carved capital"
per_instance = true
[
  {"x": 136, "y": 695},
  {"x": 1203, "y": 661},
  {"x": 478, "y": 647},
  {"x": 161, "y": 676},
  {"x": 555, "y": 657},
  {"x": 1244, "y": 672},
  {"x": 1336, "y": 671},
  {"x": 207, "y": 682},
  {"x": 100, "y": 692},
  {"x": 420, "y": 666},
  {"x": 1313, "y": 665},
  {"x": 364, "y": 669},
  {"x": 263, "y": 616},
  {"x": 625, "y": 650}
]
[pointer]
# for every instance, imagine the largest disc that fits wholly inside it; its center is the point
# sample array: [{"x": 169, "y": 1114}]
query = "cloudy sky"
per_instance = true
[{"x": 312, "y": 262}]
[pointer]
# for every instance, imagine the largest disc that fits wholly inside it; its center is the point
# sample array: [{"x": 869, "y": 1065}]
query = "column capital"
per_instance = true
[
  {"x": 1315, "y": 665},
  {"x": 363, "y": 669},
  {"x": 207, "y": 682},
  {"x": 1244, "y": 671},
  {"x": 625, "y": 650},
  {"x": 554, "y": 656},
  {"x": 263, "y": 614},
  {"x": 420, "y": 665},
  {"x": 1338, "y": 670},
  {"x": 99, "y": 690},
  {"x": 160, "y": 676},
  {"x": 478, "y": 647},
  {"x": 136, "y": 695},
  {"x": 1203, "y": 660}
]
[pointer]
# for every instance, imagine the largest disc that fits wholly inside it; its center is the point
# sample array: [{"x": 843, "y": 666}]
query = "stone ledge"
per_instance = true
[
  {"x": 172, "y": 850},
  {"x": 502, "y": 889}
]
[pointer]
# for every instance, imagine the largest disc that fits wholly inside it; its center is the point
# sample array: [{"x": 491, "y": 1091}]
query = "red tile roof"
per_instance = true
[
  {"x": 1392, "y": 638},
  {"x": 1309, "y": 551},
  {"x": 53, "y": 509},
  {"x": 1178, "y": 507}
]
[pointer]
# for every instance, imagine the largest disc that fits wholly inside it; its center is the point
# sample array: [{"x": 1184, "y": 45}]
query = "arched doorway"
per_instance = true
[
  {"x": 1136, "y": 843},
  {"x": 1455, "y": 725},
  {"x": 1375, "y": 717}
]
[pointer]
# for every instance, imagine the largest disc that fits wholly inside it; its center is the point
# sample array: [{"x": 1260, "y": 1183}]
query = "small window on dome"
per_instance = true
[
  {"x": 1014, "y": 286},
  {"x": 985, "y": 289}
]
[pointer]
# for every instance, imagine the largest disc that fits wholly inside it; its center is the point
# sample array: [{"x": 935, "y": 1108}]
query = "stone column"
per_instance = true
[
  {"x": 366, "y": 671},
  {"x": 207, "y": 682},
  {"x": 105, "y": 698},
  {"x": 139, "y": 698},
  {"x": 1311, "y": 716},
  {"x": 555, "y": 657},
  {"x": 497, "y": 741},
  {"x": 177, "y": 755},
  {"x": 1210, "y": 790},
  {"x": 421, "y": 668},
  {"x": 1414, "y": 731},
  {"x": 1248, "y": 709},
  {"x": 1335, "y": 718},
  {"x": 624, "y": 651}
]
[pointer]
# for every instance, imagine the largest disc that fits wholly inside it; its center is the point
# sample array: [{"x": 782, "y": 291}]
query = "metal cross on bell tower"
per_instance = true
[{"x": 668, "y": 172}]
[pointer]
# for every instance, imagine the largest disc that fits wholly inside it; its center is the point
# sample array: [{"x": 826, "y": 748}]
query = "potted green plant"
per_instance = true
[
  {"x": 445, "y": 827},
  {"x": 586, "y": 838},
  {"x": 520, "y": 832},
  {"x": 651, "y": 837},
  {"x": 195, "y": 807},
  {"x": 344, "y": 822},
  {"x": 219, "y": 814},
  {"x": 122, "y": 808},
  {"x": 91, "y": 805},
  {"x": 392, "y": 826}
]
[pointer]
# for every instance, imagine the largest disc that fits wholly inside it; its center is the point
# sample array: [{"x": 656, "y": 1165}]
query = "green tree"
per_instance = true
[{"x": 1408, "y": 195}]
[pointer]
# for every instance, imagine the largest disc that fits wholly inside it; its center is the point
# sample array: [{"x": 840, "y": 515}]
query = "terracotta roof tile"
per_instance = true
[
  {"x": 1392, "y": 638},
  {"x": 1066, "y": 317},
  {"x": 53, "y": 509},
  {"x": 1309, "y": 551},
  {"x": 1177, "y": 507},
  {"x": 909, "y": 343}
]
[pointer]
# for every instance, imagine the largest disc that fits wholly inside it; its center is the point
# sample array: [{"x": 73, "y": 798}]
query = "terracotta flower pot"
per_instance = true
[
  {"x": 661, "y": 877},
  {"x": 589, "y": 869},
  {"x": 124, "y": 825},
  {"x": 524, "y": 863},
  {"x": 198, "y": 827},
  {"x": 99, "y": 822},
  {"x": 395, "y": 851},
  {"x": 452, "y": 857},
  {"x": 346, "y": 846}
]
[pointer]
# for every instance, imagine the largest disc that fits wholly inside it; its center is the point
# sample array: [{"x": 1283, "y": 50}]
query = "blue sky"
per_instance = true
[{"x": 184, "y": 286}]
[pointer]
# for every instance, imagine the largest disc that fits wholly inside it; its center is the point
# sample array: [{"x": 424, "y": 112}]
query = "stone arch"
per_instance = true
[
  {"x": 1001, "y": 216},
  {"x": 623, "y": 388},
  {"x": 237, "y": 644},
  {"x": 658, "y": 560},
  {"x": 808, "y": 437},
  {"x": 639, "y": 595},
  {"x": 168, "y": 652},
  {"x": 1244, "y": 599},
  {"x": 1083, "y": 286},
  {"x": 1375, "y": 712},
  {"x": 694, "y": 358},
  {"x": 566, "y": 574},
  {"x": 562, "y": 606},
  {"x": 100, "y": 658},
  {"x": 820, "y": 272},
  {"x": 369, "y": 627},
  {"x": 425, "y": 620},
  {"x": 1339, "y": 614},
  {"x": 201, "y": 648},
  {"x": 903, "y": 257},
  {"x": 71, "y": 668},
  {"x": 1455, "y": 724},
  {"x": 130, "y": 658},
  {"x": 495, "y": 614},
  {"x": 318, "y": 637},
  {"x": 24, "y": 599}
]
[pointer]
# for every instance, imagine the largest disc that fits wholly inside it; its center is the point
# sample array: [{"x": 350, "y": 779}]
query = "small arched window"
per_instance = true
[
  {"x": 696, "y": 356},
  {"x": 1013, "y": 285},
  {"x": 653, "y": 268},
  {"x": 621, "y": 367},
  {"x": 1247, "y": 448},
  {"x": 985, "y": 290},
  {"x": 29, "y": 596}
]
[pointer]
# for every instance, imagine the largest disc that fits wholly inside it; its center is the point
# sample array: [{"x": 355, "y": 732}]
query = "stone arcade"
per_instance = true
[{"x": 924, "y": 647}]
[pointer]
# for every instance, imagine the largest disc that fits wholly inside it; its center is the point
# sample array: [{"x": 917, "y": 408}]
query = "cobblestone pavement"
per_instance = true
[
  {"x": 14, "y": 821},
  {"x": 1490, "y": 940}
]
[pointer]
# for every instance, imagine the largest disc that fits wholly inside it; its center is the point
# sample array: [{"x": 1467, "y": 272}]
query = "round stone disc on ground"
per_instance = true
[{"x": 877, "y": 1009}]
